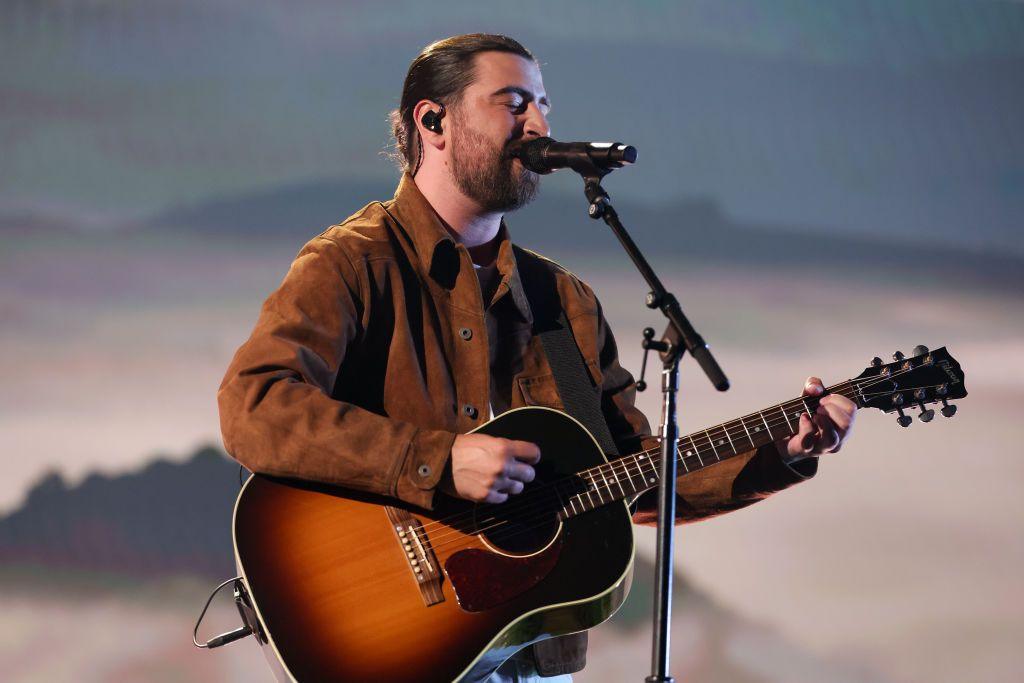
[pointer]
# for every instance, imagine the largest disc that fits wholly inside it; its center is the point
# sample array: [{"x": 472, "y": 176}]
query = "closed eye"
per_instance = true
[{"x": 521, "y": 99}]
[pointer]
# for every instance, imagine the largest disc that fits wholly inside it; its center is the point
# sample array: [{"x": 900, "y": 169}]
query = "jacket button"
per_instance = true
[
  {"x": 466, "y": 333},
  {"x": 470, "y": 411},
  {"x": 423, "y": 470}
]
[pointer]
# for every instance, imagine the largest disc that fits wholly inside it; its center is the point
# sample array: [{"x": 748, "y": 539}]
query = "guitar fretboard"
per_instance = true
[{"x": 633, "y": 474}]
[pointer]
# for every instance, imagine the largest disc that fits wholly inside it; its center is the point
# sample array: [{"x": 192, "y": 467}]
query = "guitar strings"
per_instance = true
[
  {"x": 624, "y": 462},
  {"x": 625, "y": 465},
  {"x": 543, "y": 515}
]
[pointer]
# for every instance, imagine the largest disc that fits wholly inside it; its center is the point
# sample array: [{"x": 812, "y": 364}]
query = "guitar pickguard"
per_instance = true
[{"x": 483, "y": 579}]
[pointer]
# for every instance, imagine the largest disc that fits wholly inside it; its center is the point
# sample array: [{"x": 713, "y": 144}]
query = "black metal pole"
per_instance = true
[
  {"x": 679, "y": 337},
  {"x": 666, "y": 527}
]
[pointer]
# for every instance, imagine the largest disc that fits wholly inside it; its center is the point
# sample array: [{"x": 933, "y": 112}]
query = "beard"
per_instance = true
[{"x": 485, "y": 173}]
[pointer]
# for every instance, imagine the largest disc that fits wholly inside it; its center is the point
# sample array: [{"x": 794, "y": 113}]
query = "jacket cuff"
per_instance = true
[
  {"x": 429, "y": 451},
  {"x": 777, "y": 474}
]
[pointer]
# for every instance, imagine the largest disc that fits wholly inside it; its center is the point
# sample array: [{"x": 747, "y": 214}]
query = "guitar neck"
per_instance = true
[{"x": 633, "y": 474}]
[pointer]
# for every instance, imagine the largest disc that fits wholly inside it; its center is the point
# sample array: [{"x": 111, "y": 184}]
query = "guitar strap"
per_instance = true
[{"x": 580, "y": 396}]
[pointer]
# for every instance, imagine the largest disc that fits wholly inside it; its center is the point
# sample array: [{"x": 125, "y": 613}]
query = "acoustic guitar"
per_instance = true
[{"x": 349, "y": 586}]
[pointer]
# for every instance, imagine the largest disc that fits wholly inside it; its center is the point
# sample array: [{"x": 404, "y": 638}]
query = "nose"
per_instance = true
[{"x": 536, "y": 124}]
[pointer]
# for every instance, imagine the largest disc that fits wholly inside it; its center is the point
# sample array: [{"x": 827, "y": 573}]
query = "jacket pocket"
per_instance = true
[{"x": 541, "y": 390}]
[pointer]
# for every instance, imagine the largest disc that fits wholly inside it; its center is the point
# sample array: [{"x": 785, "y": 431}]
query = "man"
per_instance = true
[{"x": 406, "y": 326}]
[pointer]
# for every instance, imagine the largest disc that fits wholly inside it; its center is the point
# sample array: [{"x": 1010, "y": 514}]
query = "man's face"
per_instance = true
[{"x": 504, "y": 106}]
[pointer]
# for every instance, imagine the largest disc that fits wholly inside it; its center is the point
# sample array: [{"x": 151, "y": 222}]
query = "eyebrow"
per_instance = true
[{"x": 522, "y": 92}]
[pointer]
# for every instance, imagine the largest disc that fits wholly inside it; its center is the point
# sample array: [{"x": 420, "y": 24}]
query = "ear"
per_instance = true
[{"x": 429, "y": 137}]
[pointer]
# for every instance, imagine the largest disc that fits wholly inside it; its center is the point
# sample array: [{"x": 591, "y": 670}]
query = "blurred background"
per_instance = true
[{"x": 820, "y": 182}]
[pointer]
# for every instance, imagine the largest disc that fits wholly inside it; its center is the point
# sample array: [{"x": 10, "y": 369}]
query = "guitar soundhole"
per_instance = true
[{"x": 522, "y": 525}]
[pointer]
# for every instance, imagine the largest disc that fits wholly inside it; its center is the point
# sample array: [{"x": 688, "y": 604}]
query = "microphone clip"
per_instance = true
[{"x": 599, "y": 200}]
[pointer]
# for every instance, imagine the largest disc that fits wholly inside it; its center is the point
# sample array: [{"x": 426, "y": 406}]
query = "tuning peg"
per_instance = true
[
  {"x": 948, "y": 409},
  {"x": 898, "y": 356},
  {"x": 925, "y": 415},
  {"x": 920, "y": 350},
  {"x": 903, "y": 420},
  {"x": 876, "y": 362}
]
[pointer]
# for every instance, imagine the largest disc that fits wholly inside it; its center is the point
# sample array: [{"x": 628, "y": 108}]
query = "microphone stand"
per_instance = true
[{"x": 678, "y": 338}]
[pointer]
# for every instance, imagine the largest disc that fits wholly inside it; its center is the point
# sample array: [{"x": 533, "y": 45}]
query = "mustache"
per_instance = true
[
  {"x": 512, "y": 147},
  {"x": 510, "y": 154}
]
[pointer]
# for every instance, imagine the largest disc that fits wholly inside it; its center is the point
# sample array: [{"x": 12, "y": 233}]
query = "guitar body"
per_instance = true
[{"x": 339, "y": 597}]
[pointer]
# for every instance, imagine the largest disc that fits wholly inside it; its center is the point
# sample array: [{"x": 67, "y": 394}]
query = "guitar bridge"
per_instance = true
[{"x": 419, "y": 556}]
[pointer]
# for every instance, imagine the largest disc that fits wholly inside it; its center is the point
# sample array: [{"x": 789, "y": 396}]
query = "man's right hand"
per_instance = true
[{"x": 487, "y": 469}]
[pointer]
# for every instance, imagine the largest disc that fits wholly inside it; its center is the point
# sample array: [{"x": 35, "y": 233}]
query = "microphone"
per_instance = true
[{"x": 544, "y": 155}]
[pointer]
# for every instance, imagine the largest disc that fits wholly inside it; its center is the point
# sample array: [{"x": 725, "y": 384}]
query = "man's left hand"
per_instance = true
[{"x": 825, "y": 432}]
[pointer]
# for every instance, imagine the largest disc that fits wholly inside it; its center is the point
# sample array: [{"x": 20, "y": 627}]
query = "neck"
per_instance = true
[
  {"x": 461, "y": 216},
  {"x": 634, "y": 474}
]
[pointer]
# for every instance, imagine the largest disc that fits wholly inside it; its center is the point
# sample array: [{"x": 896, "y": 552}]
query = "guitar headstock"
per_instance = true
[{"x": 919, "y": 380}]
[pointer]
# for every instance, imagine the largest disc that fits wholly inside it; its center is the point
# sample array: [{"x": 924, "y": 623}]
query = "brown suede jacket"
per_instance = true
[{"x": 375, "y": 352}]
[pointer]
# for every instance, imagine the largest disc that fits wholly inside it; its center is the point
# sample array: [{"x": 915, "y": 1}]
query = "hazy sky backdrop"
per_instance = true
[{"x": 895, "y": 119}]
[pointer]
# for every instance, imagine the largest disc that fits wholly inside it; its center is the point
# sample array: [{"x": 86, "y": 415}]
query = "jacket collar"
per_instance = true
[{"x": 435, "y": 247}]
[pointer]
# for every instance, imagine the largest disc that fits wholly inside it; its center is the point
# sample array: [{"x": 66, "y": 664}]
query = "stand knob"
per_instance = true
[{"x": 647, "y": 344}]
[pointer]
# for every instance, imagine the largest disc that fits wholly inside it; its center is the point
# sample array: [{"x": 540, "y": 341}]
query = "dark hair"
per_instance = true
[{"x": 440, "y": 72}]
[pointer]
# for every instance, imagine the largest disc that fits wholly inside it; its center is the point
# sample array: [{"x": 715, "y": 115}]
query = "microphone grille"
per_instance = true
[{"x": 532, "y": 153}]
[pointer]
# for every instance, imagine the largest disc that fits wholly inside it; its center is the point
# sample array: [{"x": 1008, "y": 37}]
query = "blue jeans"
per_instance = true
[{"x": 522, "y": 670}]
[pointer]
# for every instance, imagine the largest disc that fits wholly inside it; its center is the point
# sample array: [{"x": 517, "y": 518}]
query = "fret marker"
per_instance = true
[
  {"x": 652, "y": 480},
  {"x": 689, "y": 452},
  {"x": 721, "y": 442}
]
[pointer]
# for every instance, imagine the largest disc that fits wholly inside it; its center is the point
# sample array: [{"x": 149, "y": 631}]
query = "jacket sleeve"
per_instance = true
[
  {"x": 277, "y": 413},
  {"x": 729, "y": 485}
]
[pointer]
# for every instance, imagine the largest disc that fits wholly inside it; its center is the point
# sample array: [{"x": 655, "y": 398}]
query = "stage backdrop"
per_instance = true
[{"x": 820, "y": 181}]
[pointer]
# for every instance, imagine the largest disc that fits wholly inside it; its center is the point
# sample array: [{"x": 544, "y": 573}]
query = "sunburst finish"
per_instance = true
[{"x": 335, "y": 594}]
